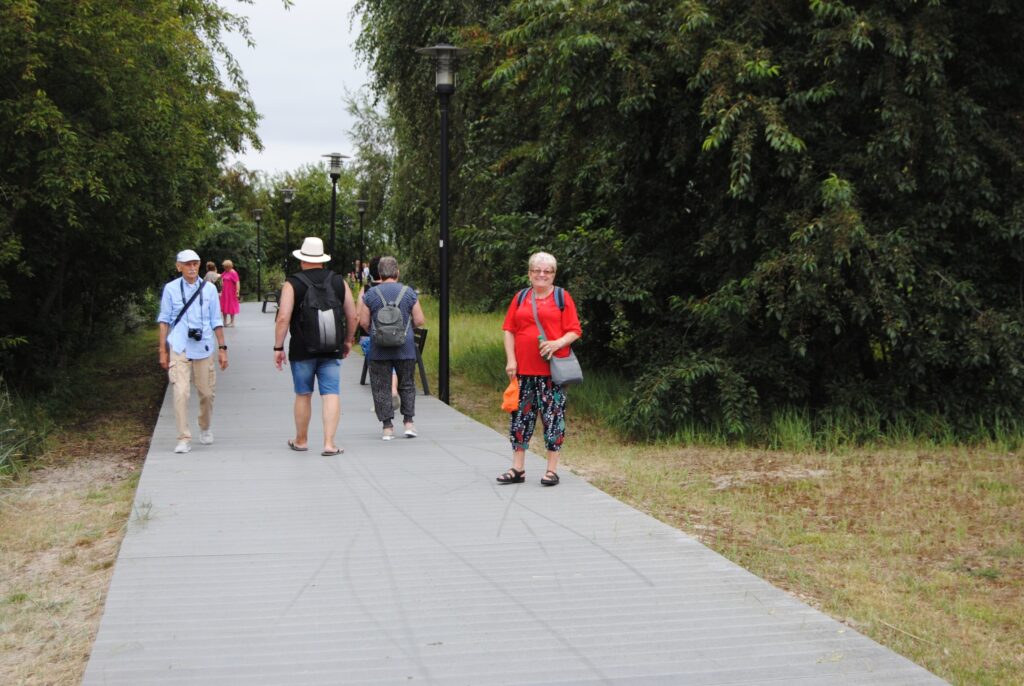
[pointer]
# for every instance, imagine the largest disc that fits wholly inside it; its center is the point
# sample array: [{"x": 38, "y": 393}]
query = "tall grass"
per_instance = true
[
  {"x": 478, "y": 355},
  {"x": 86, "y": 390},
  {"x": 23, "y": 431}
]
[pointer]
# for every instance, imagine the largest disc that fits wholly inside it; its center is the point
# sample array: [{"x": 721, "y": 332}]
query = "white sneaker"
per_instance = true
[
  {"x": 389, "y": 434},
  {"x": 183, "y": 447},
  {"x": 410, "y": 431},
  {"x": 206, "y": 437}
]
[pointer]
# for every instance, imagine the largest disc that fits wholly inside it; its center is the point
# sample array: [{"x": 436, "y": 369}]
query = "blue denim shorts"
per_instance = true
[{"x": 327, "y": 372}]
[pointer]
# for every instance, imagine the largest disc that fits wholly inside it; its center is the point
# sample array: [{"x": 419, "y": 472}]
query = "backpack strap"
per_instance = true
[
  {"x": 559, "y": 297},
  {"x": 307, "y": 282},
  {"x": 376, "y": 290},
  {"x": 398, "y": 304},
  {"x": 401, "y": 296}
]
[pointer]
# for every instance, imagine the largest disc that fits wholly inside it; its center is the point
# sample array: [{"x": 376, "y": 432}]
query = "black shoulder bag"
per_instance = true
[{"x": 199, "y": 292}]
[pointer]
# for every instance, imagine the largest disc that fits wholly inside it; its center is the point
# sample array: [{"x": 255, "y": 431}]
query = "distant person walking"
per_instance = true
[
  {"x": 212, "y": 276},
  {"x": 526, "y": 358},
  {"x": 385, "y": 357},
  {"x": 231, "y": 293},
  {"x": 189, "y": 320},
  {"x": 306, "y": 366}
]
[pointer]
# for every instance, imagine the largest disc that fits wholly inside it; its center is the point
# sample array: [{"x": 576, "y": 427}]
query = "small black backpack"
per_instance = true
[{"x": 320, "y": 315}]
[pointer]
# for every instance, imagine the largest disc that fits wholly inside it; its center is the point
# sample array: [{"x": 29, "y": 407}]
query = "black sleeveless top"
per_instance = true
[{"x": 297, "y": 346}]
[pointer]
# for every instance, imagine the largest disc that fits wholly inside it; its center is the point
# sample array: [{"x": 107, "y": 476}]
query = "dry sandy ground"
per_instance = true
[{"x": 60, "y": 530}]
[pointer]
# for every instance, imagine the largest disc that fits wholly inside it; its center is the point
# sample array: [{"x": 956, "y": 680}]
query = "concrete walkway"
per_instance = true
[{"x": 403, "y": 562}]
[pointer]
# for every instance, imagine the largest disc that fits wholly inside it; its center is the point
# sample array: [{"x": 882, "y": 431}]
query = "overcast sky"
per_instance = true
[{"x": 303, "y": 62}]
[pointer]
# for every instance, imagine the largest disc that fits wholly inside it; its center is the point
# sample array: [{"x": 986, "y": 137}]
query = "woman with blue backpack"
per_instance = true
[{"x": 541, "y": 322}]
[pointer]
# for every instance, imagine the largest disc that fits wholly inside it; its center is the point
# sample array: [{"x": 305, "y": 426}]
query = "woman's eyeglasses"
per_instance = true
[{"x": 545, "y": 272}]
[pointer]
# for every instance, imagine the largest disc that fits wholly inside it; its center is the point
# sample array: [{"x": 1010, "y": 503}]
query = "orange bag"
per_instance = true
[{"x": 510, "y": 398}]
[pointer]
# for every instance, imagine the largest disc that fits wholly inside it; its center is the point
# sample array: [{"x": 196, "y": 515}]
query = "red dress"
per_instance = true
[{"x": 229, "y": 292}]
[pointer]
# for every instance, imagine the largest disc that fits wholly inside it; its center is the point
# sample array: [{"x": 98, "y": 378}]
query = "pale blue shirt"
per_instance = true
[{"x": 205, "y": 316}]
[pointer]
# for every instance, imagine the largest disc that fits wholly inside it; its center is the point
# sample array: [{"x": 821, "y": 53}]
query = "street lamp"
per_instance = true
[
  {"x": 288, "y": 194},
  {"x": 444, "y": 56},
  {"x": 257, "y": 214},
  {"x": 361, "y": 206},
  {"x": 335, "y": 173}
]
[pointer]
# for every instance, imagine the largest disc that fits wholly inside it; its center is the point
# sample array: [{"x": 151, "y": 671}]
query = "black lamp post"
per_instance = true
[
  {"x": 361, "y": 206},
  {"x": 335, "y": 173},
  {"x": 444, "y": 56},
  {"x": 288, "y": 194},
  {"x": 257, "y": 214}
]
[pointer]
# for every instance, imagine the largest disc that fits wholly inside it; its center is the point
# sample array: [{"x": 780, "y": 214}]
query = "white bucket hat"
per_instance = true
[
  {"x": 188, "y": 256},
  {"x": 312, "y": 250}
]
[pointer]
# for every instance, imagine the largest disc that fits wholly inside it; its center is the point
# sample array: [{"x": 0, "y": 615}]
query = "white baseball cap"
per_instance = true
[{"x": 188, "y": 256}]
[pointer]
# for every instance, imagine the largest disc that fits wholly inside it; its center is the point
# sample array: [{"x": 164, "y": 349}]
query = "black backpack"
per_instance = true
[{"x": 320, "y": 315}]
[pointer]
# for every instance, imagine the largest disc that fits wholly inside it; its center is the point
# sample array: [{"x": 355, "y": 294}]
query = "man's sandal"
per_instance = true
[
  {"x": 550, "y": 478},
  {"x": 512, "y": 476}
]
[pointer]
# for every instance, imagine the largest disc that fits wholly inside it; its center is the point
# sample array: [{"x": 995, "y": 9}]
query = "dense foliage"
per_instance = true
[
  {"x": 814, "y": 203},
  {"x": 114, "y": 118}
]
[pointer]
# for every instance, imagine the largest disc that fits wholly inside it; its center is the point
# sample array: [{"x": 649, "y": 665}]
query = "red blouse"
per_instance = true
[{"x": 519, "y": 321}]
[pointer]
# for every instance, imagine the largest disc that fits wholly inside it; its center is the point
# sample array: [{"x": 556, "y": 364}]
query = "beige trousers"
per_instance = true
[{"x": 181, "y": 371}]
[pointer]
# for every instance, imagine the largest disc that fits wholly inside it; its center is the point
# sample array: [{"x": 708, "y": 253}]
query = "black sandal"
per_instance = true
[
  {"x": 512, "y": 476},
  {"x": 549, "y": 480}
]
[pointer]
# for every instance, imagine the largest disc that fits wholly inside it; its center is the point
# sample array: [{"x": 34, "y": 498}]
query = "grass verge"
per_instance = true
[{"x": 62, "y": 520}]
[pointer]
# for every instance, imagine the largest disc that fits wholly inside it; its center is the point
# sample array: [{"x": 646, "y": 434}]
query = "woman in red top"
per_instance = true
[{"x": 527, "y": 356}]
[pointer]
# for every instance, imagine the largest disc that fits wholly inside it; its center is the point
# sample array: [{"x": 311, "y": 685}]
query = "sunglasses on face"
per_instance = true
[{"x": 545, "y": 272}]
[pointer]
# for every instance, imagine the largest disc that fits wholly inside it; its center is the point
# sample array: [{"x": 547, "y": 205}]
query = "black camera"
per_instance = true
[{"x": 195, "y": 334}]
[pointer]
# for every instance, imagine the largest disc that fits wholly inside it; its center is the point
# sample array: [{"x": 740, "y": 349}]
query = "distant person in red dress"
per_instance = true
[{"x": 231, "y": 293}]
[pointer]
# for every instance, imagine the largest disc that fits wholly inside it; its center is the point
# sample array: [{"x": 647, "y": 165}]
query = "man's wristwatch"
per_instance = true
[
  {"x": 223, "y": 347},
  {"x": 277, "y": 349}
]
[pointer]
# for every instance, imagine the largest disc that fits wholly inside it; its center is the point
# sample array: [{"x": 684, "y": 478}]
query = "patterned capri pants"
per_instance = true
[{"x": 538, "y": 393}]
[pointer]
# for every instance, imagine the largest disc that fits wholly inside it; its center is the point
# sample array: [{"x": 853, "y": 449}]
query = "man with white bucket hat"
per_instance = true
[
  {"x": 309, "y": 361},
  {"x": 189, "y": 320}
]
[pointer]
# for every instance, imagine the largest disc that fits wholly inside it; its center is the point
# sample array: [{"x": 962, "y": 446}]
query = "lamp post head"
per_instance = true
[
  {"x": 257, "y": 214},
  {"x": 361, "y": 205},
  {"x": 336, "y": 158},
  {"x": 444, "y": 56},
  {"x": 288, "y": 194}
]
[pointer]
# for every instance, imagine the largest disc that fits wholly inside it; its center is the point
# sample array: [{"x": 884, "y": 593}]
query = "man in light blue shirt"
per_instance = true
[{"x": 189, "y": 320}]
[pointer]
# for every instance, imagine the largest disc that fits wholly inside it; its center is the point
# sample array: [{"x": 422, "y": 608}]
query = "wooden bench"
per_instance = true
[{"x": 420, "y": 336}]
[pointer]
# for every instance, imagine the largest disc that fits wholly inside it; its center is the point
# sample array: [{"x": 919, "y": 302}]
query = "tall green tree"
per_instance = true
[
  {"x": 114, "y": 119},
  {"x": 757, "y": 203}
]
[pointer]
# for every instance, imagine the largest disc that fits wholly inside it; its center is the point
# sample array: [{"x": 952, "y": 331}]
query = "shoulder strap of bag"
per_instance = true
[
  {"x": 398, "y": 304},
  {"x": 521, "y": 296},
  {"x": 533, "y": 302},
  {"x": 189, "y": 303},
  {"x": 380, "y": 295},
  {"x": 559, "y": 297}
]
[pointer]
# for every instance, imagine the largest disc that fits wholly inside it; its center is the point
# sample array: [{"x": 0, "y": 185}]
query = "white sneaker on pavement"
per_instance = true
[
  {"x": 183, "y": 447},
  {"x": 388, "y": 434},
  {"x": 206, "y": 437}
]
